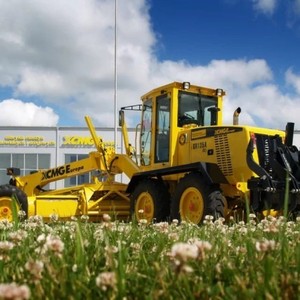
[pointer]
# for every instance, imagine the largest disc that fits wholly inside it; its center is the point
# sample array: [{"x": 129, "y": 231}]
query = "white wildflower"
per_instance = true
[
  {"x": 106, "y": 218},
  {"x": 54, "y": 243},
  {"x": 143, "y": 222},
  {"x": 35, "y": 219},
  {"x": 106, "y": 280},
  {"x": 54, "y": 217},
  {"x": 5, "y": 224},
  {"x": 175, "y": 221},
  {"x": 21, "y": 214},
  {"x": 202, "y": 246},
  {"x": 41, "y": 238},
  {"x": 6, "y": 246},
  {"x": 35, "y": 268},
  {"x": 252, "y": 216},
  {"x": 18, "y": 236},
  {"x": 208, "y": 220},
  {"x": 265, "y": 245},
  {"x": 84, "y": 218},
  {"x": 162, "y": 227},
  {"x": 243, "y": 230},
  {"x": 12, "y": 291},
  {"x": 74, "y": 268},
  {"x": 183, "y": 252},
  {"x": 135, "y": 247}
]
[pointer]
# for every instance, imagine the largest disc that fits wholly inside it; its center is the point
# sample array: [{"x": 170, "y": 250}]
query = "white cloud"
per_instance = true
[
  {"x": 63, "y": 53},
  {"x": 296, "y": 6},
  {"x": 17, "y": 113},
  {"x": 41, "y": 82},
  {"x": 266, "y": 105},
  {"x": 265, "y": 6},
  {"x": 293, "y": 80}
]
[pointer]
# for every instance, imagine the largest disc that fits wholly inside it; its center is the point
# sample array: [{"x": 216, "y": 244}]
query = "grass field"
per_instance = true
[{"x": 115, "y": 260}]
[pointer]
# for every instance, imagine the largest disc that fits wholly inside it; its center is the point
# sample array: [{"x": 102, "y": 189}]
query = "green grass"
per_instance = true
[{"x": 115, "y": 260}]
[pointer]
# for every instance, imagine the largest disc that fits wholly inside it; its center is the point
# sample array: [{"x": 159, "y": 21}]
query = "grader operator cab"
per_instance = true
[{"x": 187, "y": 165}]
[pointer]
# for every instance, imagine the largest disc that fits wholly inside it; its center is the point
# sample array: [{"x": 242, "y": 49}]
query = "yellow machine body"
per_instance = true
[{"x": 185, "y": 164}]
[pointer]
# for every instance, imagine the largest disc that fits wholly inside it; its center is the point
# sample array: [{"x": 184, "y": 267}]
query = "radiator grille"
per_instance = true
[{"x": 223, "y": 154}]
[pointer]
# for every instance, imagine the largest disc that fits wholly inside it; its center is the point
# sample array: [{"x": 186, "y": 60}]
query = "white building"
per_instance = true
[{"x": 33, "y": 148}]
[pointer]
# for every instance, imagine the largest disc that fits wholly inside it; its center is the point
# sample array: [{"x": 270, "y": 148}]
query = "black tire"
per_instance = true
[
  {"x": 150, "y": 200},
  {"x": 294, "y": 206},
  {"x": 9, "y": 191},
  {"x": 193, "y": 199}
]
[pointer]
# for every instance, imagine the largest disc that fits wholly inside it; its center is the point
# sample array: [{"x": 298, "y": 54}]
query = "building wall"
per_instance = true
[{"x": 58, "y": 142}]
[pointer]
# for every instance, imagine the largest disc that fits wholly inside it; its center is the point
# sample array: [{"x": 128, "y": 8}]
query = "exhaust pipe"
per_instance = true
[{"x": 236, "y": 116}]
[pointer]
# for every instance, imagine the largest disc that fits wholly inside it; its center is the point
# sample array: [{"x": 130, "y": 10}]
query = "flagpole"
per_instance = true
[{"x": 115, "y": 85}]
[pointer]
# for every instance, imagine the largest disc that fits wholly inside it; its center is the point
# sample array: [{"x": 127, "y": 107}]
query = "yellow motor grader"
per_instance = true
[{"x": 186, "y": 165}]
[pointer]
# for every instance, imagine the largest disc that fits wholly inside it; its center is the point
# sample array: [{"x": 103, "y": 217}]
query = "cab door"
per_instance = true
[{"x": 162, "y": 129}]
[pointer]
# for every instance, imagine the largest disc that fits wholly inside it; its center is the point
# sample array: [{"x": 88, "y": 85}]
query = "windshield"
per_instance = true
[{"x": 196, "y": 109}]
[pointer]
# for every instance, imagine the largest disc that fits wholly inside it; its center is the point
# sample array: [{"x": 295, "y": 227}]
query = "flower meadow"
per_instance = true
[{"x": 77, "y": 259}]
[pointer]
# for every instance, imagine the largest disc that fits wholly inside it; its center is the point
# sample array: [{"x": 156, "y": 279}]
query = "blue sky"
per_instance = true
[
  {"x": 201, "y": 31},
  {"x": 57, "y": 58}
]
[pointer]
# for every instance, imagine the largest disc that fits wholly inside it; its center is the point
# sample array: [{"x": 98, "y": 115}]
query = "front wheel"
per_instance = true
[
  {"x": 193, "y": 200},
  {"x": 7, "y": 192},
  {"x": 150, "y": 200}
]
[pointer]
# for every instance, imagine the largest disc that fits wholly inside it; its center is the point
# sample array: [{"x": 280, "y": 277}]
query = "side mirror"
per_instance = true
[
  {"x": 121, "y": 118},
  {"x": 13, "y": 171}
]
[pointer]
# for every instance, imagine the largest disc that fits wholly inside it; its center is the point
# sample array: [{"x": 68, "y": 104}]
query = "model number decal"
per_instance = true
[
  {"x": 200, "y": 145},
  {"x": 59, "y": 171}
]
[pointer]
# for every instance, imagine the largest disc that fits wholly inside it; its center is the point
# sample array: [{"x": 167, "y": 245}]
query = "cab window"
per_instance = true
[{"x": 196, "y": 109}]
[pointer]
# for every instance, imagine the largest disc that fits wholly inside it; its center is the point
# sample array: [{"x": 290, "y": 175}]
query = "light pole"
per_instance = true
[{"x": 115, "y": 86}]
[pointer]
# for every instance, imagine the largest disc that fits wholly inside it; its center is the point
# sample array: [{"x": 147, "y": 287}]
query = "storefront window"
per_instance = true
[
  {"x": 18, "y": 161},
  {"x": 43, "y": 161},
  {"x": 30, "y": 163},
  {"x": 5, "y": 160},
  {"x": 25, "y": 162}
]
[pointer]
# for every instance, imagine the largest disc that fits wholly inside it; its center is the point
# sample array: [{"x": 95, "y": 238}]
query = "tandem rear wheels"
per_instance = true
[
  {"x": 191, "y": 201},
  {"x": 8, "y": 194}
]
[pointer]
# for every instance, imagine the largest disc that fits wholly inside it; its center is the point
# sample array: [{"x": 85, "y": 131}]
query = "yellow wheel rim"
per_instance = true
[
  {"x": 144, "y": 207},
  {"x": 272, "y": 212},
  {"x": 191, "y": 205},
  {"x": 5, "y": 209}
]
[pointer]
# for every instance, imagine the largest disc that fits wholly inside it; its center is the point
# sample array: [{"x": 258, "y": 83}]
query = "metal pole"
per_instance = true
[{"x": 115, "y": 85}]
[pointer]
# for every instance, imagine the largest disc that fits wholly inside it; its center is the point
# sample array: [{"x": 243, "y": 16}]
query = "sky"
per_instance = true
[{"x": 57, "y": 57}]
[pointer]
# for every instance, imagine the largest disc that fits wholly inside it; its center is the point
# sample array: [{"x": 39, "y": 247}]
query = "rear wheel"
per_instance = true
[
  {"x": 7, "y": 192},
  {"x": 193, "y": 200},
  {"x": 150, "y": 200}
]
